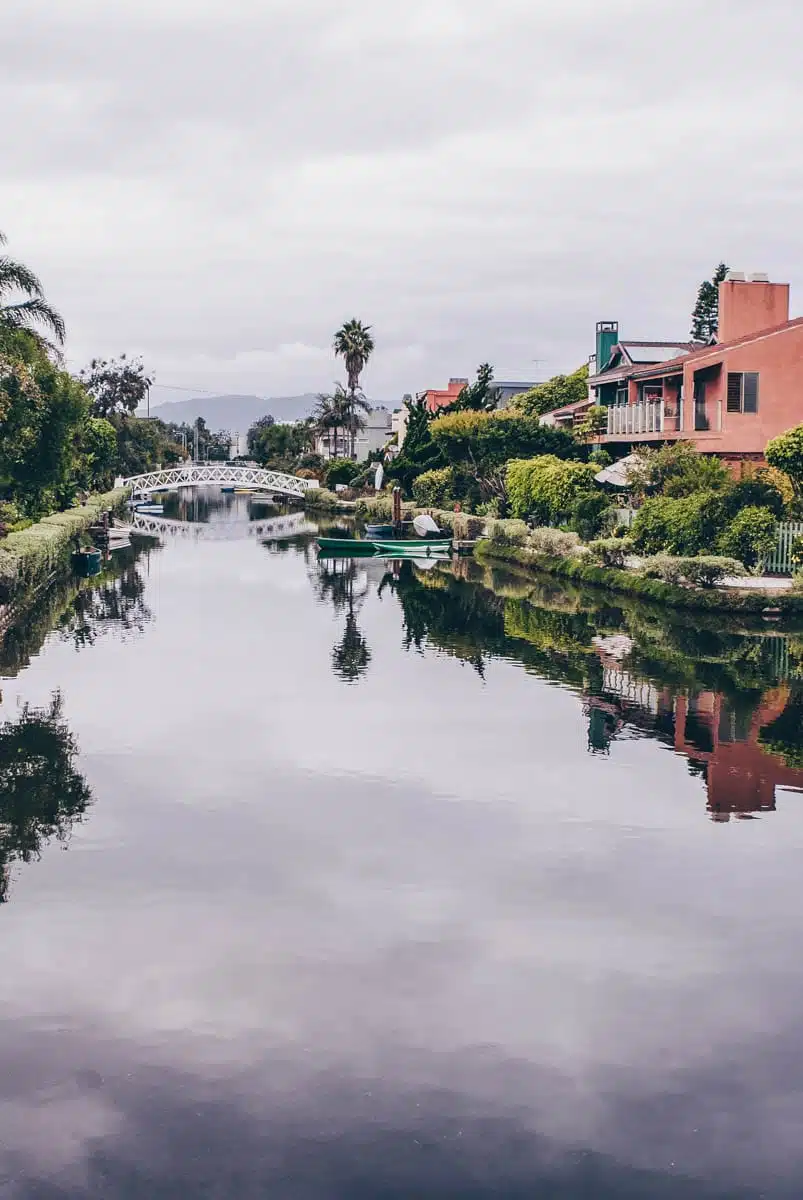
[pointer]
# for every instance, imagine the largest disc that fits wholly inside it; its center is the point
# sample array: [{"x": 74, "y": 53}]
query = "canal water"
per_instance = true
[{"x": 347, "y": 878}]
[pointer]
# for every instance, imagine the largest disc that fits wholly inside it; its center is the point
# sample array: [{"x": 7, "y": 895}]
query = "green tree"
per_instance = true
[
  {"x": 42, "y": 414},
  {"x": 116, "y": 385},
  {"x": 785, "y": 453},
  {"x": 32, "y": 312},
  {"x": 705, "y": 314},
  {"x": 278, "y": 445},
  {"x": 480, "y": 444},
  {"x": 677, "y": 469},
  {"x": 479, "y": 396},
  {"x": 418, "y": 452},
  {"x": 98, "y": 453},
  {"x": 557, "y": 392},
  {"x": 544, "y": 489},
  {"x": 354, "y": 343}
]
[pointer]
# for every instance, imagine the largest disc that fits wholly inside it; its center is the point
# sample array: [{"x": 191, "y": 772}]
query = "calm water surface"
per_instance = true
[{"x": 340, "y": 879}]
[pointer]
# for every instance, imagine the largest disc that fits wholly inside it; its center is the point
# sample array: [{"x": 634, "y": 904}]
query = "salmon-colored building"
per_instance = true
[
  {"x": 436, "y": 398},
  {"x": 728, "y": 398}
]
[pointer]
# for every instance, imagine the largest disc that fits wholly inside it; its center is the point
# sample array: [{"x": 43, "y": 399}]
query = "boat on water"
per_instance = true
[
  {"x": 228, "y": 490},
  {"x": 385, "y": 546},
  {"x": 150, "y": 510},
  {"x": 379, "y": 531},
  {"x": 87, "y": 562}
]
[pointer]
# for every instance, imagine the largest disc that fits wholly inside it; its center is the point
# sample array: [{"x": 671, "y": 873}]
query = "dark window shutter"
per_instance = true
[
  {"x": 734, "y": 403},
  {"x": 751, "y": 391}
]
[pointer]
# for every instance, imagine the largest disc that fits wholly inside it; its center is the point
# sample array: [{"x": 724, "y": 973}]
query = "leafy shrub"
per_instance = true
[
  {"x": 677, "y": 470},
  {"x": 508, "y": 533},
  {"x": 339, "y": 470},
  {"x": 751, "y": 535},
  {"x": 680, "y": 526},
  {"x": 434, "y": 488},
  {"x": 467, "y": 527},
  {"x": 545, "y": 488},
  {"x": 587, "y": 514},
  {"x": 756, "y": 491},
  {"x": 701, "y": 571},
  {"x": 611, "y": 552},
  {"x": 557, "y": 543},
  {"x": 487, "y": 439}
]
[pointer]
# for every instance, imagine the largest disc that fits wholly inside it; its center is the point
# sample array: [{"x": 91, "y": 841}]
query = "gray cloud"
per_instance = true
[{"x": 218, "y": 185}]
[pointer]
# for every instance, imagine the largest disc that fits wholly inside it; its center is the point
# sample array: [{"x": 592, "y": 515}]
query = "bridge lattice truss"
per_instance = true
[
  {"x": 219, "y": 475},
  {"x": 271, "y": 529}
]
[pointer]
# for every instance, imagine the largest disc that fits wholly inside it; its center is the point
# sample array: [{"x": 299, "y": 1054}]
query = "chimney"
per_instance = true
[
  {"x": 607, "y": 337},
  {"x": 750, "y": 304}
]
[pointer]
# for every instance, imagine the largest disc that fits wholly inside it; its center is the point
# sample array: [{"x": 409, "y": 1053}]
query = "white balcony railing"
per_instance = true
[{"x": 645, "y": 416}]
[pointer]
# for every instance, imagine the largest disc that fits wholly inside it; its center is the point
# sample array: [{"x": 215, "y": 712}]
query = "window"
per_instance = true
[{"x": 742, "y": 391}]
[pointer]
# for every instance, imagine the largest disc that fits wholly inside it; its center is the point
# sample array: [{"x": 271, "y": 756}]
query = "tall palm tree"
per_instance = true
[
  {"x": 337, "y": 411},
  {"x": 32, "y": 313},
  {"x": 354, "y": 343}
]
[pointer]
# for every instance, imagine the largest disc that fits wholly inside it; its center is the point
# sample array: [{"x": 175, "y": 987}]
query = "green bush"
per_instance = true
[
  {"x": 508, "y": 533},
  {"x": 701, "y": 571},
  {"x": 587, "y": 514},
  {"x": 433, "y": 489},
  {"x": 684, "y": 526},
  {"x": 339, "y": 470},
  {"x": 545, "y": 488},
  {"x": 751, "y": 536},
  {"x": 557, "y": 543},
  {"x": 757, "y": 491},
  {"x": 611, "y": 552}
]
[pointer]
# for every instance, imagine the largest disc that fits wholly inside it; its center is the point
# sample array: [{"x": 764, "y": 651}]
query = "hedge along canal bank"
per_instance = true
[
  {"x": 34, "y": 557},
  {"x": 623, "y": 581}
]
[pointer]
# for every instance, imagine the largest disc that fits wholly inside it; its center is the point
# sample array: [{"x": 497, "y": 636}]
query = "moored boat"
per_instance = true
[{"x": 385, "y": 546}]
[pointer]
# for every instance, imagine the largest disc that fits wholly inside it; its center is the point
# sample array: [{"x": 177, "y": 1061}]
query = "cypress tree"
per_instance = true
[{"x": 705, "y": 315}]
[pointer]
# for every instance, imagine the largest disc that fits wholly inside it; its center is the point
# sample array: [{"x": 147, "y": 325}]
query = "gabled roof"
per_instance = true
[
  {"x": 631, "y": 353},
  {"x": 712, "y": 354}
]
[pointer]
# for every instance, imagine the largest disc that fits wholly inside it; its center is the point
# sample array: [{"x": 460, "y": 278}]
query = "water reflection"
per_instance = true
[
  {"x": 730, "y": 702},
  {"x": 116, "y": 603},
  {"x": 344, "y": 583},
  {"x": 42, "y": 794}
]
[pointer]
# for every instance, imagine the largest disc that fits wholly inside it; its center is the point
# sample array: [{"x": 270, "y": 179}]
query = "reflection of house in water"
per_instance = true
[{"x": 718, "y": 735}]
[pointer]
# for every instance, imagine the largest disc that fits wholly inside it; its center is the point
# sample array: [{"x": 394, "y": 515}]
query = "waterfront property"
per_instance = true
[
  {"x": 437, "y": 398},
  {"x": 729, "y": 398},
  {"x": 375, "y": 433}
]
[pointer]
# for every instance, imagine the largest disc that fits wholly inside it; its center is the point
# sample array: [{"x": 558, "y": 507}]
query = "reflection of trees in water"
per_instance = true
[
  {"x": 337, "y": 581},
  {"x": 116, "y": 603},
  {"x": 60, "y": 608},
  {"x": 41, "y": 792}
]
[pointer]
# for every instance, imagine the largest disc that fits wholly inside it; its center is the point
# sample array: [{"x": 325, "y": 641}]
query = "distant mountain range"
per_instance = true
[{"x": 235, "y": 413}]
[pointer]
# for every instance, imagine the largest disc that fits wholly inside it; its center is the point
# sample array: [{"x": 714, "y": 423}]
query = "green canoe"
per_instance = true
[{"x": 399, "y": 546}]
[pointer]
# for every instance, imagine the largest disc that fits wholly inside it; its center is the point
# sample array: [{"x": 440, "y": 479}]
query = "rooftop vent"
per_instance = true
[
  {"x": 735, "y": 277},
  {"x": 759, "y": 277}
]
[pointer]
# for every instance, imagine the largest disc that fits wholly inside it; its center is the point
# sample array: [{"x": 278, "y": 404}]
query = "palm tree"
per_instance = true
[
  {"x": 354, "y": 343},
  {"x": 26, "y": 314},
  {"x": 336, "y": 411}
]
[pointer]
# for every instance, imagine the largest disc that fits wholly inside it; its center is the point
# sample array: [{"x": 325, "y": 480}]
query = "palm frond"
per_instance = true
[
  {"x": 29, "y": 313},
  {"x": 15, "y": 276}
]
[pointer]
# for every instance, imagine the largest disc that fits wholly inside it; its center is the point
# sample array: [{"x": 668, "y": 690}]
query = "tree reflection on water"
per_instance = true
[
  {"x": 42, "y": 794},
  {"x": 344, "y": 583}
]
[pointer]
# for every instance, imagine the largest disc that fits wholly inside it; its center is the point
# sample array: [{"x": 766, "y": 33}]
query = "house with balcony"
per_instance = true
[{"x": 729, "y": 398}]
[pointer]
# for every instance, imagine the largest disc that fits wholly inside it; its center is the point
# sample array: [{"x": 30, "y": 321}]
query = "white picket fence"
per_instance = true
[{"x": 780, "y": 562}]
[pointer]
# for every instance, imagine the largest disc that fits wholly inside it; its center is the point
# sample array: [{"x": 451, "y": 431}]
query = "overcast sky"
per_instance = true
[{"x": 217, "y": 184}]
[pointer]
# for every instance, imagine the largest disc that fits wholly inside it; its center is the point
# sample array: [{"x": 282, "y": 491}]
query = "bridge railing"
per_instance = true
[{"x": 220, "y": 474}]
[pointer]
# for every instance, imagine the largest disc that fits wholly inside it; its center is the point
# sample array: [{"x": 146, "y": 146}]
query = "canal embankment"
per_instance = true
[{"x": 33, "y": 558}]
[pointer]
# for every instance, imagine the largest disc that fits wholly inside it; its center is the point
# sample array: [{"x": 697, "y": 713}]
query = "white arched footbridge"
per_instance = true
[{"x": 218, "y": 475}]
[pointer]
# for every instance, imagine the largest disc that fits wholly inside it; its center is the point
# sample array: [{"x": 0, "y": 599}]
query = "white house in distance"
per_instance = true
[{"x": 374, "y": 436}]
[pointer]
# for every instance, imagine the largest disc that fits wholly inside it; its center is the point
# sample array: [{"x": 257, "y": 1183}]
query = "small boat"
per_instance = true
[
  {"x": 386, "y": 547},
  {"x": 150, "y": 510},
  {"x": 227, "y": 489},
  {"x": 87, "y": 562},
  {"x": 243, "y": 491},
  {"x": 379, "y": 531}
]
